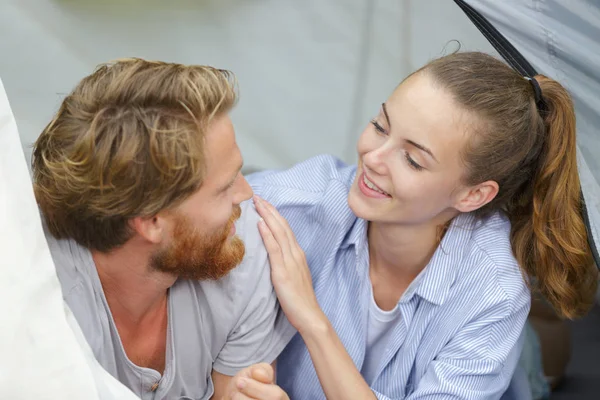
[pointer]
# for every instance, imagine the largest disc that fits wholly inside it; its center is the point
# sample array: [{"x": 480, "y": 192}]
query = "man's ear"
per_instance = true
[
  {"x": 475, "y": 197},
  {"x": 151, "y": 229}
]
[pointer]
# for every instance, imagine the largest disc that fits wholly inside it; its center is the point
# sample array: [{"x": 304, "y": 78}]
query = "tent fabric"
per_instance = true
[
  {"x": 44, "y": 352},
  {"x": 310, "y": 75},
  {"x": 560, "y": 38}
]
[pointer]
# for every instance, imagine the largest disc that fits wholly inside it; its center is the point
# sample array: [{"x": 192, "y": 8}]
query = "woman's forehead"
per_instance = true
[
  {"x": 425, "y": 112},
  {"x": 424, "y": 92}
]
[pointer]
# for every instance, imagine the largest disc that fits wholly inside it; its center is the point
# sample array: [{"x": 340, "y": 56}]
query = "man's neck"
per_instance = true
[
  {"x": 133, "y": 291},
  {"x": 137, "y": 297}
]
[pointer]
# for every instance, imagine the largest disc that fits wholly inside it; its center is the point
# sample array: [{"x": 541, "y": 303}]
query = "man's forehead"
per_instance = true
[{"x": 222, "y": 154}]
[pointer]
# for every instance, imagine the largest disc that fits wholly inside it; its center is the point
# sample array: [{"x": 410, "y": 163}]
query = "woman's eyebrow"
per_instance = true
[
  {"x": 387, "y": 117},
  {"x": 423, "y": 148}
]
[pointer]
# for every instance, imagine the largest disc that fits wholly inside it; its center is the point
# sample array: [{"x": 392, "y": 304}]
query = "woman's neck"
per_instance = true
[{"x": 403, "y": 251}]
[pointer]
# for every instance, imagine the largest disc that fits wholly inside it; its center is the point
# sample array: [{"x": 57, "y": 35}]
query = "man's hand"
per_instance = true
[{"x": 257, "y": 382}]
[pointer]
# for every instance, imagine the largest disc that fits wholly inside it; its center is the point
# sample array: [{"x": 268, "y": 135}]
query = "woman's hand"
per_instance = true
[
  {"x": 289, "y": 270},
  {"x": 292, "y": 281}
]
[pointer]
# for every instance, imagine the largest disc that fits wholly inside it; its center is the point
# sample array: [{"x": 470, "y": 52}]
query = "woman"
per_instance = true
[{"x": 468, "y": 172}]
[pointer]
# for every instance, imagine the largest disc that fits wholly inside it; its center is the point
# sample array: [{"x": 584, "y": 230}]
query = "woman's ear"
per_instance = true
[{"x": 475, "y": 197}]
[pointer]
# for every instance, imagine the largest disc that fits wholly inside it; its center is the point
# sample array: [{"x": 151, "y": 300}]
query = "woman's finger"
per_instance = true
[
  {"x": 276, "y": 218},
  {"x": 282, "y": 221},
  {"x": 271, "y": 244},
  {"x": 276, "y": 259},
  {"x": 259, "y": 390},
  {"x": 294, "y": 247},
  {"x": 269, "y": 215}
]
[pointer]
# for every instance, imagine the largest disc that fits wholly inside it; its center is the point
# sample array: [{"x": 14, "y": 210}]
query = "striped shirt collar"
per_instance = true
[{"x": 435, "y": 281}]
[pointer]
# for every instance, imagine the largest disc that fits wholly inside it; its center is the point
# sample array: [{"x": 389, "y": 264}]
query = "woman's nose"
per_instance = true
[{"x": 376, "y": 160}]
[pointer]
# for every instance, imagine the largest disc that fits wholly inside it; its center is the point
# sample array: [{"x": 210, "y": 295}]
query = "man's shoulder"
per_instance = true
[
  {"x": 246, "y": 277},
  {"x": 226, "y": 301},
  {"x": 247, "y": 230},
  {"x": 248, "y": 324},
  {"x": 311, "y": 196},
  {"x": 70, "y": 261},
  {"x": 252, "y": 275},
  {"x": 67, "y": 257}
]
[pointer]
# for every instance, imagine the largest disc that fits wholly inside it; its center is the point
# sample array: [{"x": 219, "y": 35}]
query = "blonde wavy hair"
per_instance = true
[{"x": 128, "y": 141}]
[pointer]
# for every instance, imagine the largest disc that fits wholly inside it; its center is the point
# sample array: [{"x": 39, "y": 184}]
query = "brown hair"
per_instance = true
[
  {"x": 127, "y": 141},
  {"x": 531, "y": 154}
]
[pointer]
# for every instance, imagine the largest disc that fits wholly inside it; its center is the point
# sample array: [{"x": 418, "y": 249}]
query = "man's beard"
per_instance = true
[{"x": 192, "y": 255}]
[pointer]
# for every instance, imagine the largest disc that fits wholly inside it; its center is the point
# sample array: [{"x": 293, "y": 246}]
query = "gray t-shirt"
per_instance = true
[{"x": 225, "y": 325}]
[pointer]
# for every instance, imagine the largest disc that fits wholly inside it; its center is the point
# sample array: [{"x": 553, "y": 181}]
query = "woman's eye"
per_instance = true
[
  {"x": 378, "y": 127},
  {"x": 412, "y": 163}
]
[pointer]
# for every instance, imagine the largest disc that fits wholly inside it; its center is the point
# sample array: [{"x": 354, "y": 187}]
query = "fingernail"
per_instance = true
[{"x": 241, "y": 383}]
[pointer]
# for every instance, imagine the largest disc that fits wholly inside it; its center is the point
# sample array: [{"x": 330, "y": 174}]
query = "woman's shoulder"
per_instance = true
[
  {"x": 491, "y": 238},
  {"x": 316, "y": 186},
  {"x": 314, "y": 175},
  {"x": 489, "y": 261},
  {"x": 311, "y": 196}
]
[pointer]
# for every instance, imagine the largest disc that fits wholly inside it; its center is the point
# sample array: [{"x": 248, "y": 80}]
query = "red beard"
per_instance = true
[{"x": 192, "y": 255}]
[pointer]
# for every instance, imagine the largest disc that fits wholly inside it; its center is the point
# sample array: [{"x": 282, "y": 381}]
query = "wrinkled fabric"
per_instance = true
[{"x": 44, "y": 353}]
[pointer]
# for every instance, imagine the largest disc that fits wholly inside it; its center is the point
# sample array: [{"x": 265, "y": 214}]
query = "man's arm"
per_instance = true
[
  {"x": 220, "y": 382},
  {"x": 261, "y": 330},
  {"x": 226, "y": 386}
]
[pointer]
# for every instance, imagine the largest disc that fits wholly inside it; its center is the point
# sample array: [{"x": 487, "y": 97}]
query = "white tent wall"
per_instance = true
[
  {"x": 311, "y": 74},
  {"x": 44, "y": 353}
]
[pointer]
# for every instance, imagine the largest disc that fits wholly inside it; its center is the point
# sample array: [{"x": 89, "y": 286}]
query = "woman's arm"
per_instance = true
[
  {"x": 476, "y": 364},
  {"x": 336, "y": 371},
  {"x": 339, "y": 377}
]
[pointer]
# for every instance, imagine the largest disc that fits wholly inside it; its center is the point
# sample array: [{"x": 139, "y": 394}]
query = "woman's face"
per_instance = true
[{"x": 410, "y": 170}]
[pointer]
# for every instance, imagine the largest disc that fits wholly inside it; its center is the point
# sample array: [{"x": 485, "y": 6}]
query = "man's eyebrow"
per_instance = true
[
  {"x": 387, "y": 117},
  {"x": 423, "y": 148}
]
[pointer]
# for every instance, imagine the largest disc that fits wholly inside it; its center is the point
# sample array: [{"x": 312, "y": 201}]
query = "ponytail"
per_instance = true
[
  {"x": 527, "y": 145},
  {"x": 548, "y": 235}
]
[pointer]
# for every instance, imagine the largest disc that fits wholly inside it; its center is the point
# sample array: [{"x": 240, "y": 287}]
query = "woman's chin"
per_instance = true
[{"x": 358, "y": 206}]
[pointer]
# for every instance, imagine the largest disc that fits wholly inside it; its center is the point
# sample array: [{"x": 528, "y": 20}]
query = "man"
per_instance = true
[{"x": 138, "y": 180}]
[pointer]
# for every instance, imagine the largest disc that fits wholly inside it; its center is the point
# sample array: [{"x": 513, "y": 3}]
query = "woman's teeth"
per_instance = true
[{"x": 372, "y": 186}]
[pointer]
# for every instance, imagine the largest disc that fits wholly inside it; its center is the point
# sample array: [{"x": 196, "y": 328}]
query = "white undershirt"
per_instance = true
[{"x": 380, "y": 326}]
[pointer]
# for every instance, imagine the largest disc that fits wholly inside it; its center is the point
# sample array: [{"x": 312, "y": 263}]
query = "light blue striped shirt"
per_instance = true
[{"x": 459, "y": 334}]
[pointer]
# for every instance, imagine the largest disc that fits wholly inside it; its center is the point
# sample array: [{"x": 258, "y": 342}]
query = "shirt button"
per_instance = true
[{"x": 154, "y": 387}]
